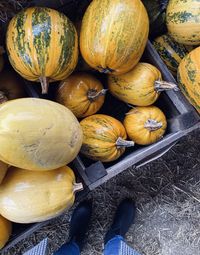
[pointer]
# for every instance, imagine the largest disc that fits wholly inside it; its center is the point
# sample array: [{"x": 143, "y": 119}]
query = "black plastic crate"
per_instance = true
[{"x": 182, "y": 119}]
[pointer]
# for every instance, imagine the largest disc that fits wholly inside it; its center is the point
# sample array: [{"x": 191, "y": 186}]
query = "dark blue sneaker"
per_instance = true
[
  {"x": 124, "y": 218},
  {"x": 79, "y": 222}
]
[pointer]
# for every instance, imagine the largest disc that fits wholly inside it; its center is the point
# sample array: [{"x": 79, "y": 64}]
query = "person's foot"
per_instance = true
[
  {"x": 79, "y": 222},
  {"x": 124, "y": 218}
]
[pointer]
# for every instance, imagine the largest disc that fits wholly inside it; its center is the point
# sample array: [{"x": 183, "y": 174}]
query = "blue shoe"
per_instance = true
[
  {"x": 124, "y": 218},
  {"x": 79, "y": 223}
]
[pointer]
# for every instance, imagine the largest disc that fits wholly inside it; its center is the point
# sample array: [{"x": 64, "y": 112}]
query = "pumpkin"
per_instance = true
[
  {"x": 170, "y": 51},
  {"x": 5, "y": 231},
  {"x": 188, "y": 76},
  {"x": 114, "y": 34},
  {"x": 82, "y": 93},
  {"x": 141, "y": 86},
  {"x": 156, "y": 10},
  {"x": 145, "y": 125},
  {"x": 3, "y": 170},
  {"x": 1, "y": 58},
  {"x": 38, "y": 134},
  {"x": 10, "y": 86},
  {"x": 42, "y": 45},
  {"x": 28, "y": 196},
  {"x": 183, "y": 21},
  {"x": 103, "y": 138}
]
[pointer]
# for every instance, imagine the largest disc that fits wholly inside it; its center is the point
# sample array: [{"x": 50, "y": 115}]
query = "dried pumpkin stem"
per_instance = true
[
  {"x": 123, "y": 143},
  {"x": 152, "y": 125},
  {"x": 77, "y": 187},
  {"x": 164, "y": 85},
  {"x": 93, "y": 94},
  {"x": 3, "y": 97},
  {"x": 44, "y": 84}
]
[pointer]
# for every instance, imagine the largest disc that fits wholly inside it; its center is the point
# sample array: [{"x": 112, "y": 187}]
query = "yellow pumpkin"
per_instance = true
[
  {"x": 11, "y": 86},
  {"x": 1, "y": 58},
  {"x": 28, "y": 196},
  {"x": 141, "y": 86},
  {"x": 103, "y": 138},
  {"x": 3, "y": 170},
  {"x": 38, "y": 134},
  {"x": 82, "y": 93},
  {"x": 183, "y": 21},
  {"x": 42, "y": 45},
  {"x": 145, "y": 125},
  {"x": 114, "y": 34},
  {"x": 5, "y": 231},
  {"x": 188, "y": 77}
]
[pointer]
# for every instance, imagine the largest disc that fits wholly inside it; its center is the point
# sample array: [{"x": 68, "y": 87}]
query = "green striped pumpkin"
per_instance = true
[
  {"x": 189, "y": 77},
  {"x": 183, "y": 21},
  {"x": 170, "y": 51},
  {"x": 42, "y": 45}
]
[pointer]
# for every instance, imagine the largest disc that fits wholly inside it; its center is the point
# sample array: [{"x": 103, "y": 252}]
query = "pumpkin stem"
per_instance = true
[
  {"x": 77, "y": 187},
  {"x": 93, "y": 94},
  {"x": 44, "y": 84},
  {"x": 3, "y": 97},
  {"x": 123, "y": 143},
  {"x": 164, "y": 85},
  {"x": 152, "y": 125}
]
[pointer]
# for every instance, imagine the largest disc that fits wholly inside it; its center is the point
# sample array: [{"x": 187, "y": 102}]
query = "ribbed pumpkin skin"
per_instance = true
[
  {"x": 183, "y": 21},
  {"x": 38, "y": 134},
  {"x": 28, "y": 196},
  {"x": 136, "y": 87},
  {"x": 5, "y": 231},
  {"x": 170, "y": 51},
  {"x": 100, "y": 133},
  {"x": 114, "y": 34},
  {"x": 189, "y": 77},
  {"x": 135, "y": 120},
  {"x": 42, "y": 42},
  {"x": 74, "y": 91}
]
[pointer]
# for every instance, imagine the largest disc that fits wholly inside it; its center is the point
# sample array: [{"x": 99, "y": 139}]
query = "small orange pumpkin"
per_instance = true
[
  {"x": 103, "y": 138},
  {"x": 5, "y": 231},
  {"x": 145, "y": 125},
  {"x": 82, "y": 93}
]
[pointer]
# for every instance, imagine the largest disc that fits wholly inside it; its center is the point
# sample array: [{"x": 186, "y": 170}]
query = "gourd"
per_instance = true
[
  {"x": 103, "y": 138},
  {"x": 28, "y": 196},
  {"x": 170, "y": 51},
  {"x": 5, "y": 231},
  {"x": 156, "y": 10},
  {"x": 141, "y": 86},
  {"x": 38, "y": 134},
  {"x": 183, "y": 21},
  {"x": 145, "y": 125},
  {"x": 82, "y": 93},
  {"x": 188, "y": 76},
  {"x": 3, "y": 170},
  {"x": 114, "y": 34},
  {"x": 1, "y": 58},
  {"x": 11, "y": 87},
  {"x": 42, "y": 45}
]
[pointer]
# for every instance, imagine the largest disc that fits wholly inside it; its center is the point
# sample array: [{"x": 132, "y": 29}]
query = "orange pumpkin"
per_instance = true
[
  {"x": 145, "y": 125},
  {"x": 82, "y": 93},
  {"x": 114, "y": 34},
  {"x": 103, "y": 138}
]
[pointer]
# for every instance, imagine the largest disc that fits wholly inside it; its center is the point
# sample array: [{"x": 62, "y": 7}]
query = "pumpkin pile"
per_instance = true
[{"x": 40, "y": 137}]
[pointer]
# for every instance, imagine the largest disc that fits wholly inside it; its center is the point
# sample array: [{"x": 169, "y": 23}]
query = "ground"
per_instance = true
[{"x": 167, "y": 194}]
